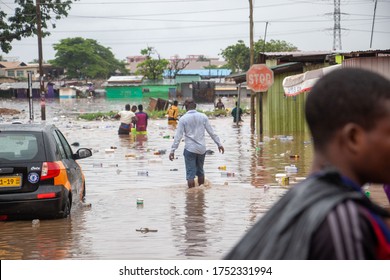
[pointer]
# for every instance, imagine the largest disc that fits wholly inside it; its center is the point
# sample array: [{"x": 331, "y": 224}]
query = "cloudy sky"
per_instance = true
[{"x": 193, "y": 27}]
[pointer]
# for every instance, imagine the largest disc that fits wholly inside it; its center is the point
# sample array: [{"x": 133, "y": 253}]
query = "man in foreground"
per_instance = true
[
  {"x": 193, "y": 126},
  {"x": 328, "y": 216}
]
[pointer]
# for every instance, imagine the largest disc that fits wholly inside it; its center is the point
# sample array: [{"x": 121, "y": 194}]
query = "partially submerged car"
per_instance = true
[{"x": 39, "y": 175}]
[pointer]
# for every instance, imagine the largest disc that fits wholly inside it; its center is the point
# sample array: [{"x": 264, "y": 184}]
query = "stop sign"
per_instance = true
[{"x": 259, "y": 77}]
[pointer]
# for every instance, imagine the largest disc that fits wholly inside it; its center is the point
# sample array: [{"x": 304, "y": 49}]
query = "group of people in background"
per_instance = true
[{"x": 132, "y": 121}]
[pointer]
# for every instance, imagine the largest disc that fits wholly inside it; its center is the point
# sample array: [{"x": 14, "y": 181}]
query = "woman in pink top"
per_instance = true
[{"x": 142, "y": 120}]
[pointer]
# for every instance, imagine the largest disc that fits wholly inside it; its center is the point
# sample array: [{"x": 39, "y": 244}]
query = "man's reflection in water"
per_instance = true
[{"x": 195, "y": 222}]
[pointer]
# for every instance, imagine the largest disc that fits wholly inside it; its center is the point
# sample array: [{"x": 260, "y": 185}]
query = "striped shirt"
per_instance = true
[{"x": 193, "y": 126}]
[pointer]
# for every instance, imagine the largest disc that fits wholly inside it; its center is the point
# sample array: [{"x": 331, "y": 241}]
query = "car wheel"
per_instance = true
[
  {"x": 67, "y": 207},
  {"x": 83, "y": 195}
]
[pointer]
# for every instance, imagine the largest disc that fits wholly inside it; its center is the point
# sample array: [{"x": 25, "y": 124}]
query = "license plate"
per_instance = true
[{"x": 11, "y": 181}]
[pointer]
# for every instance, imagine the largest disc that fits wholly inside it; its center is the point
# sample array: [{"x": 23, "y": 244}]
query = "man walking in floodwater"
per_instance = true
[
  {"x": 328, "y": 216},
  {"x": 126, "y": 118},
  {"x": 193, "y": 126}
]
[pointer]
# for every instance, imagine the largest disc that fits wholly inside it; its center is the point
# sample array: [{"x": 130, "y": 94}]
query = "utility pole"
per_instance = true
[
  {"x": 251, "y": 61},
  {"x": 41, "y": 85},
  {"x": 373, "y": 22}
]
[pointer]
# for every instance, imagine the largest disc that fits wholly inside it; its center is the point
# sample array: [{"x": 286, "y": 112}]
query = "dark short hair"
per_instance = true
[
  {"x": 175, "y": 103},
  {"x": 140, "y": 107},
  {"x": 348, "y": 95},
  {"x": 191, "y": 105},
  {"x": 127, "y": 107}
]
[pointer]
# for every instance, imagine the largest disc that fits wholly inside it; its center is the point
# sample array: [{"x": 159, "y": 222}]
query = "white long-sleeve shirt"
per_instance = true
[{"x": 193, "y": 126}]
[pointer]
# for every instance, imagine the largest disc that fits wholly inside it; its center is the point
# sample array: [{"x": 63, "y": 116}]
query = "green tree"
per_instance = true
[
  {"x": 274, "y": 46},
  {"x": 85, "y": 58},
  {"x": 152, "y": 68},
  {"x": 23, "y": 22},
  {"x": 238, "y": 56}
]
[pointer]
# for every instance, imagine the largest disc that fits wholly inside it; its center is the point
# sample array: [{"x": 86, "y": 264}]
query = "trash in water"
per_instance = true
[
  {"x": 209, "y": 152},
  {"x": 143, "y": 173},
  {"x": 162, "y": 152},
  {"x": 227, "y": 174},
  {"x": 109, "y": 151},
  {"x": 112, "y": 165},
  {"x": 286, "y": 138},
  {"x": 113, "y": 147},
  {"x": 222, "y": 167},
  {"x": 140, "y": 201},
  {"x": 294, "y": 156},
  {"x": 118, "y": 171},
  {"x": 173, "y": 169},
  {"x": 166, "y": 136},
  {"x": 146, "y": 230},
  {"x": 130, "y": 155},
  {"x": 86, "y": 204},
  {"x": 75, "y": 144},
  {"x": 35, "y": 223},
  {"x": 97, "y": 164},
  {"x": 291, "y": 168}
]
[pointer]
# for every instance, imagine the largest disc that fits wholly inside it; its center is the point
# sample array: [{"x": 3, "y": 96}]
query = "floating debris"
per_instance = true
[
  {"x": 294, "y": 156},
  {"x": 143, "y": 173},
  {"x": 291, "y": 168},
  {"x": 75, "y": 144},
  {"x": 209, "y": 152},
  {"x": 140, "y": 201},
  {"x": 146, "y": 230}
]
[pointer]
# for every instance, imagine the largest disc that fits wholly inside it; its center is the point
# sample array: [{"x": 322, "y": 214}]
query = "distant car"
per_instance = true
[{"x": 39, "y": 175}]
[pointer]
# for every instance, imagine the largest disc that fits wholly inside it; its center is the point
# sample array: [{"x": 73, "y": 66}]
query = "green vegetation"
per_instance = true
[
  {"x": 86, "y": 59},
  {"x": 152, "y": 68},
  {"x": 21, "y": 21},
  {"x": 154, "y": 114},
  {"x": 237, "y": 56}
]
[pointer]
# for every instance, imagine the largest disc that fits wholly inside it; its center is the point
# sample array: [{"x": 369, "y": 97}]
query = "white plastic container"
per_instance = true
[{"x": 291, "y": 168}]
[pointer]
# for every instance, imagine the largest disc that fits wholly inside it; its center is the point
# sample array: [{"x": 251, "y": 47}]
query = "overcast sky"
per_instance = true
[{"x": 194, "y": 27}]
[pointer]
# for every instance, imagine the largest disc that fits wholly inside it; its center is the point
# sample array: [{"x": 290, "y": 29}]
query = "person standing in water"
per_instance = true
[
  {"x": 142, "y": 120},
  {"x": 173, "y": 113},
  {"x": 193, "y": 126},
  {"x": 126, "y": 118}
]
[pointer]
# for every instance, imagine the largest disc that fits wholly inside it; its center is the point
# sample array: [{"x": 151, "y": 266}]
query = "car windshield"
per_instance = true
[{"x": 18, "y": 146}]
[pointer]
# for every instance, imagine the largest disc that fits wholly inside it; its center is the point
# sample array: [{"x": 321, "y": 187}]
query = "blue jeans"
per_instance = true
[{"x": 194, "y": 164}]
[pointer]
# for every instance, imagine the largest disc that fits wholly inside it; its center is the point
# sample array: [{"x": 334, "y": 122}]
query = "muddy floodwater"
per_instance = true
[{"x": 134, "y": 215}]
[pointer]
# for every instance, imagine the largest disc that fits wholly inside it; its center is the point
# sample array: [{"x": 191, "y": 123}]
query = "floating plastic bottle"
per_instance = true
[
  {"x": 227, "y": 174},
  {"x": 222, "y": 167},
  {"x": 291, "y": 168},
  {"x": 166, "y": 136},
  {"x": 140, "y": 200},
  {"x": 173, "y": 169},
  {"x": 143, "y": 173}
]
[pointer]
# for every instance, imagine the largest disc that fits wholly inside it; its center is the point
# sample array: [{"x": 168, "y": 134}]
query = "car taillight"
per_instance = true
[
  {"x": 50, "y": 170},
  {"x": 46, "y": 195}
]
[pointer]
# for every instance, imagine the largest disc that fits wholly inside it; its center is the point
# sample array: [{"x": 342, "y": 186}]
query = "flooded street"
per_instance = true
[{"x": 173, "y": 222}]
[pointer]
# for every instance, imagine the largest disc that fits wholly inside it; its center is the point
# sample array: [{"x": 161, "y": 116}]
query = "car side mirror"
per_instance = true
[{"x": 83, "y": 153}]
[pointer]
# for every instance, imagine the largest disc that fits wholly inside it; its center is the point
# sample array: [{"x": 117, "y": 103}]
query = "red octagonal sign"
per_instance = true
[{"x": 259, "y": 77}]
